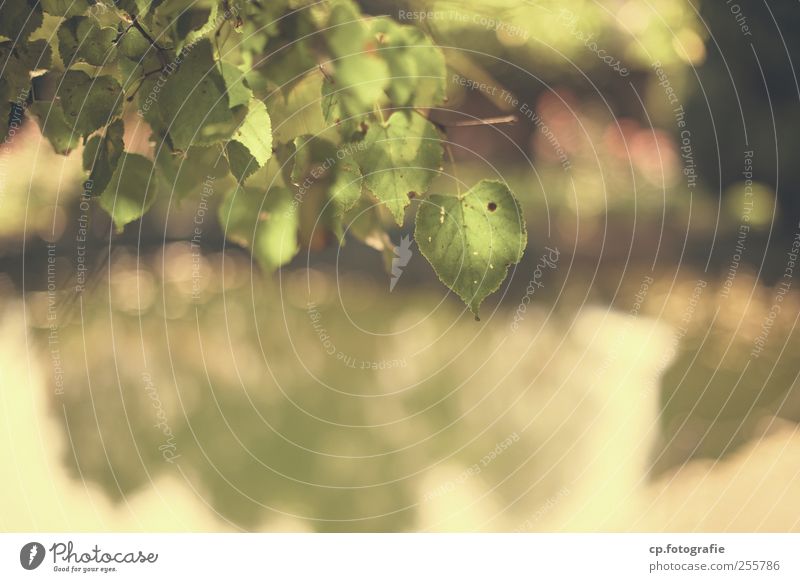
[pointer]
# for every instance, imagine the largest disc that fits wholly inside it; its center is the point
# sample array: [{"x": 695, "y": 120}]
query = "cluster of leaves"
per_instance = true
[{"x": 312, "y": 117}]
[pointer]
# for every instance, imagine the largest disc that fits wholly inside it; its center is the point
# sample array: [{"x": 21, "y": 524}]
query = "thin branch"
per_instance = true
[
  {"x": 130, "y": 96},
  {"x": 160, "y": 52},
  {"x": 122, "y": 33},
  {"x": 144, "y": 33},
  {"x": 487, "y": 121},
  {"x": 478, "y": 122},
  {"x": 218, "y": 34}
]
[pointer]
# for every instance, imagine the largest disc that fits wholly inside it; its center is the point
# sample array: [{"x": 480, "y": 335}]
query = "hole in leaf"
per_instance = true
[{"x": 491, "y": 206}]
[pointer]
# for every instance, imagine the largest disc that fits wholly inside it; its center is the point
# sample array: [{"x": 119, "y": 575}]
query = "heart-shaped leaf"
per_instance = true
[{"x": 472, "y": 239}]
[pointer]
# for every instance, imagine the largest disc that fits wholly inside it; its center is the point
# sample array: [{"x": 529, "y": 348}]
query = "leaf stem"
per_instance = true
[
  {"x": 325, "y": 74},
  {"x": 379, "y": 113}
]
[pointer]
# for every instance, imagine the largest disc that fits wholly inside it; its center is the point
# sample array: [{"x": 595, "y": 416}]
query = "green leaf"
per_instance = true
[
  {"x": 291, "y": 39},
  {"x": 333, "y": 112},
  {"x": 339, "y": 111},
  {"x": 399, "y": 158},
  {"x": 20, "y": 60},
  {"x": 89, "y": 103},
  {"x": 5, "y": 109},
  {"x": 312, "y": 159},
  {"x": 300, "y": 157},
  {"x": 364, "y": 222},
  {"x": 65, "y": 7},
  {"x": 298, "y": 110},
  {"x": 284, "y": 158},
  {"x": 238, "y": 91},
  {"x": 55, "y": 127},
  {"x": 136, "y": 57},
  {"x": 82, "y": 39},
  {"x": 472, "y": 239},
  {"x": 19, "y": 18},
  {"x": 132, "y": 7},
  {"x": 193, "y": 25},
  {"x": 251, "y": 144},
  {"x": 359, "y": 73},
  {"x": 101, "y": 155},
  {"x": 192, "y": 103},
  {"x": 416, "y": 65},
  {"x": 131, "y": 191},
  {"x": 186, "y": 171},
  {"x": 345, "y": 192},
  {"x": 360, "y": 80},
  {"x": 347, "y": 30},
  {"x": 136, "y": 47},
  {"x": 345, "y": 189},
  {"x": 326, "y": 178},
  {"x": 266, "y": 225}
]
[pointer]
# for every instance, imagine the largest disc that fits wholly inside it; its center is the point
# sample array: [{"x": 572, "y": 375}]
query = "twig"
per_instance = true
[
  {"x": 130, "y": 97},
  {"x": 144, "y": 33},
  {"x": 478, "y": 122},
  {"x": 159, "y": 49}
]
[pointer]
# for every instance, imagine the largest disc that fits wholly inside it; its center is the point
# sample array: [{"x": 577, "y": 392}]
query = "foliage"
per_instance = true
[
  {"x": 311, "y": 115},
  {"x": 470, "y": 239}
]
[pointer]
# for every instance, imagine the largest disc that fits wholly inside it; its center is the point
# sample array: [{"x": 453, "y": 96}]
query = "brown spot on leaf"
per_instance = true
[{"x": 491, "y": 206}]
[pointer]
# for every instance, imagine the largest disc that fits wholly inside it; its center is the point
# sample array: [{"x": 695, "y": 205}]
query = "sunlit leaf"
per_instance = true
[
  {"x": 399, "y": 158},
  {"x": 297, "y": 112},
  {"x": 131, "y": 191},
  {"x": 192, "y": 103},
  {"x": 20, "y": 60},
  {"x": 185, "y": 172},
  {"x": 101, "y": 155},
  {"x": 471, "y": 239},
  {"x": 65, "y": 7},
  {"x": 54, "y": 126},
  {"x": 238, "y": 91},
  {"x": 266, "y": 224},
  {"x": 359, "y": 73},
  {"x": 416, "y": 65},
  {"x": 89, "y": 102},
  {"x": 251, "y": 144},
  {"x": 82, "y": 39},
  {"x": 19, "y": 18}
]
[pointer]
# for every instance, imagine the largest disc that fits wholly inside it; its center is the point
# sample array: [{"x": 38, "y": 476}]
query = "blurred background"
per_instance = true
[{"x": 648, "y": 382}]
